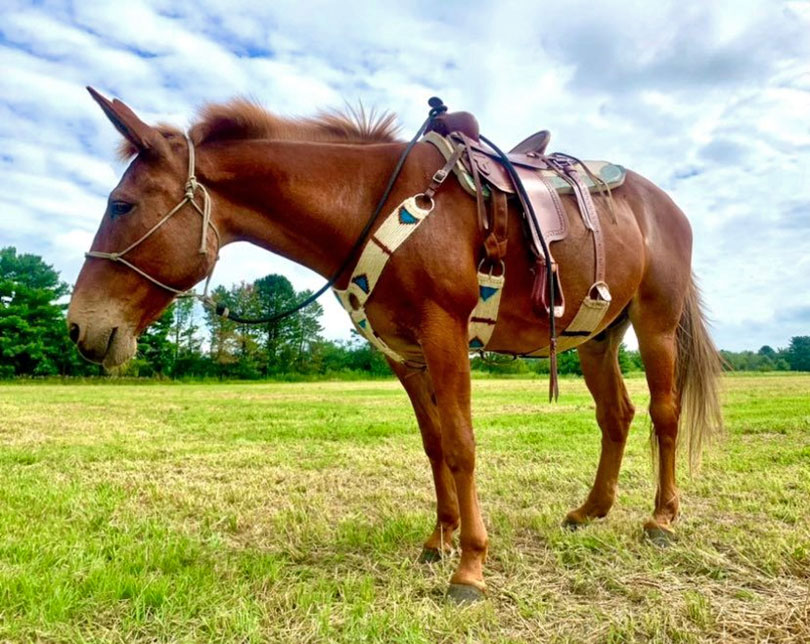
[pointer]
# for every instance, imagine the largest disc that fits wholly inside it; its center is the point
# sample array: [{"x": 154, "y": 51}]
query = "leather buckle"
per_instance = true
[
  {"x": 440, "y": 175},
  {"x": 492, "y": 264}
]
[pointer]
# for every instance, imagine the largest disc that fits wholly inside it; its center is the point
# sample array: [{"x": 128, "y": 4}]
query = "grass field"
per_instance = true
[{"x": 296, "y": 512}]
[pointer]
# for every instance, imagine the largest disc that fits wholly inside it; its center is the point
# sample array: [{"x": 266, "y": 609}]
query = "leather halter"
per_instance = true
[{"x": 191, "y": 188}]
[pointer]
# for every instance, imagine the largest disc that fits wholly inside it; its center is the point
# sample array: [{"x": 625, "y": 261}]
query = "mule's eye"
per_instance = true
[{"x": 119, "y": 208}]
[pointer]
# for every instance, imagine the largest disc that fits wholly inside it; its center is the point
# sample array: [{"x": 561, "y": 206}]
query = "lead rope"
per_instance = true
[{"x": 436, "y": 107}]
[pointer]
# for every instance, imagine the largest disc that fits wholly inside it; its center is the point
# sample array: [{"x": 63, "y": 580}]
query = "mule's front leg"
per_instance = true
[
  {"x": 420, "y": 390},
  {"x": 444, "y": 342}
]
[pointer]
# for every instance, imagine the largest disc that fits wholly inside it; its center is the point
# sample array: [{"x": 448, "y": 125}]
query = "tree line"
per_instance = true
[{"x": 185, "y": 343}]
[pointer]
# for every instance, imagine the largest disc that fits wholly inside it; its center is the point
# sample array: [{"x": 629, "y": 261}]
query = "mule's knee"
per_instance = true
[
  {"x": 615, "y": 421},
  {"x": 459, "y": 453},
  {"x": 433, "y": 449}
]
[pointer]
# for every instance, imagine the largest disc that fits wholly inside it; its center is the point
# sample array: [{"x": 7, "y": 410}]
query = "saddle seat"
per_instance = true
[{"x": 527, "y": 152}]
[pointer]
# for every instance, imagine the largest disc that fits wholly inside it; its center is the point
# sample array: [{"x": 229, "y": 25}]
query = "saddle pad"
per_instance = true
[{"x": 612, "y": 174}]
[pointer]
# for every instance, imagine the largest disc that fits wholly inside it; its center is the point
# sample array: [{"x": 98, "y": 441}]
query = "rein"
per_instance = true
[
  {"x": 192, "y": 186},
  {"x": 526, "y": 204}
]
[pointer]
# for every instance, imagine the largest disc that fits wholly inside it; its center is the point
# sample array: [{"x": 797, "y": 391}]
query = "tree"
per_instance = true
[
  {"x": 306, "y": 332},
  {"x": 250, "y": 351},
  {"x": 33, "y": 337},
  {"x": 222, "y": 332},
  {"x": 798, "y": 353},
  {"x": 187, "y": 343},
  {"x": 289, "y": 341},
  {"x": 156, "y": 352},
  {"x": 275, "y": 293},
  {"x": 234, "y": 348}
]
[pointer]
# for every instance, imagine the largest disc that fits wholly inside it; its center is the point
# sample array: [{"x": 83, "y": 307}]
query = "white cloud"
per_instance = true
[{"x": 709, "y": 100}]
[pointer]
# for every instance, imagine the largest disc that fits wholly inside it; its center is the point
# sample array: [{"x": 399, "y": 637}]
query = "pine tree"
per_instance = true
[
  {"x": 156, "y": 351},
  {"x": 33, "y": 335}
]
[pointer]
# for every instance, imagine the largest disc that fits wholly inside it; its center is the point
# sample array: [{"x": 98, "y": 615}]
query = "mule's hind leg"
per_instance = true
[
  {"x": 656, "y": 330},
  {"x": 614, "y": 413},
  {"x": 420, "y": 390}
]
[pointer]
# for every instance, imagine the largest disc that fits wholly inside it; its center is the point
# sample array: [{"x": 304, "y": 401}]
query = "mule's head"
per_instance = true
[{"x": 112, "y": 303}]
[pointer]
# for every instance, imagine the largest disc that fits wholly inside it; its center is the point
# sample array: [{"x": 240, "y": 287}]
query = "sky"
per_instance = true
[{"x": 709, "y": 100}]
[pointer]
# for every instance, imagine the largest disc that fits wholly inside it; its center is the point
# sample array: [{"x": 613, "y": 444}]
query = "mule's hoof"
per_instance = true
[
  {"x": 659, "y": 536},
  {"x": 464, "y": 594},
  {"x": 572, "y": 525},
  {"x": 430, "y": 555}
]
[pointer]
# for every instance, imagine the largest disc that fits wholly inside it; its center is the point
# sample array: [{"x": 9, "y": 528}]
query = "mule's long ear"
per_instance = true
[{"x": 142, "y": 136}]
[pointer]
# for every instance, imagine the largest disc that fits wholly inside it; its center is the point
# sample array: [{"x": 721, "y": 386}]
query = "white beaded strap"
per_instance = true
[{"x": 400, "y": 224}]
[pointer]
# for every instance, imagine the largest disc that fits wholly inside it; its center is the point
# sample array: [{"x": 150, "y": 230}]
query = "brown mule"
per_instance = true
[{"x": 304, "y": 188}]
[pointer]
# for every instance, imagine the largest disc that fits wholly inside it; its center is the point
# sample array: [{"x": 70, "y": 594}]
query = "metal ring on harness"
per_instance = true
[
  {"x": 492, "y": 267},
  {"x": 423, "y": 196}
]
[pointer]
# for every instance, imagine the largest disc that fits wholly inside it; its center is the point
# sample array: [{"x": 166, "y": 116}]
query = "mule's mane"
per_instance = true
[{"x": 243, "y": 119}]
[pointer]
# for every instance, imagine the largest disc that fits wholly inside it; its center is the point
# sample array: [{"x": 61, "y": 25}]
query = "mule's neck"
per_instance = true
[{"x": 305, "y": 201}]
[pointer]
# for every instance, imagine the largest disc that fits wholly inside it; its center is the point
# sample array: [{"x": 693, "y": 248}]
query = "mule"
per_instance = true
[{"x": 303, "y": 189}]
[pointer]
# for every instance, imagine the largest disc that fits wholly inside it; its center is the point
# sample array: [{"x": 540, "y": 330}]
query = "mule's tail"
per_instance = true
[{"x": 697, "y": 370}]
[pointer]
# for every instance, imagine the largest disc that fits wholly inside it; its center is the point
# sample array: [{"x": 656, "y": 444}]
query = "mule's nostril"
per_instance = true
[{"x": 73, "y": 332}]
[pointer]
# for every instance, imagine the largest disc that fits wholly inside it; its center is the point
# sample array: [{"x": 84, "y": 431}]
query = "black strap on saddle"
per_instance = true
[
  {"x": 437, "y": 107},
  {"x": 526, "y": 204}
]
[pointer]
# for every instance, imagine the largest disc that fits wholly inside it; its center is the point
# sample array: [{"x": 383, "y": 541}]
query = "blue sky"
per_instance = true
[{"x": 709, "y": 100}]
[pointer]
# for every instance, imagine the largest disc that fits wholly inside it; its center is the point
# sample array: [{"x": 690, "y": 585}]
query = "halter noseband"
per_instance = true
[{"x": 191, "y": 187}]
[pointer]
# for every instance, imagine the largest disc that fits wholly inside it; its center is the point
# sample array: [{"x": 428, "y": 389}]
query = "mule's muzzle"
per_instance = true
[{"x": 107, "y": 345}]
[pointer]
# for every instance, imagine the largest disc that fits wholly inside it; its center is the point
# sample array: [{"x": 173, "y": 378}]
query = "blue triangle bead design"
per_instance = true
[
  {"x": 362, "y": 282},
  {"x": 487, "y": 292},
  {"x": 407, "y": 218},
  {"x": 476, "y": 343},
  {"x": 363, "y": 323}
]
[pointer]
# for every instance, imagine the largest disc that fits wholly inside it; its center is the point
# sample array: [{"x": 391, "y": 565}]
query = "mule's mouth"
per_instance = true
[
  {"x": 110, "y": 341},
  {"x": 121, "y": 347},
  {"x": 92, "y": 353},
  {"x": 111, "y": 351}
]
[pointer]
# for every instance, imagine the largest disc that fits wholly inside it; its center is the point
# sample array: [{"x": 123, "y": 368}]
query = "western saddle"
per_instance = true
[{"x": 532, "y": 176}]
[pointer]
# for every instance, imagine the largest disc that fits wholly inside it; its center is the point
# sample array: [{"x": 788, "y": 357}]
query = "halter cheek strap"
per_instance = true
[{"x": 204, "y": 210}]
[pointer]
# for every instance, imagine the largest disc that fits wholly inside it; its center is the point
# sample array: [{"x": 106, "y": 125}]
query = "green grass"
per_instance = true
[{"x": 295, "y": 512}]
